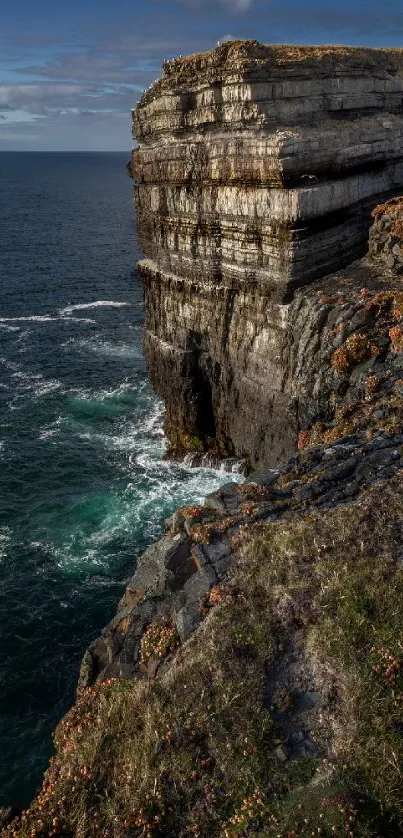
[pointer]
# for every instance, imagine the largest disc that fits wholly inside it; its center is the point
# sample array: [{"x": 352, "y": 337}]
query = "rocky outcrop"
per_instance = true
[
  {"x": 386, "y": 234},
  {"x": 256, "y": 172}
]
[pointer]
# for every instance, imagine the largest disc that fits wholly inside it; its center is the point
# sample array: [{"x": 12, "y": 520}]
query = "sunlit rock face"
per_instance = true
[{"x": 256, "y": 172}]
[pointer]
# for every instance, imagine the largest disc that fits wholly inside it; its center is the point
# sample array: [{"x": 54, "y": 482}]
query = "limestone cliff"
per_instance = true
[
  {"x": 346, "y": 357},
  {"x": 256, "y": 172}
]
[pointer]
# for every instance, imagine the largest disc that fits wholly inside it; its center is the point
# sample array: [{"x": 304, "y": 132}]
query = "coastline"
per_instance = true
[{"x": 251, "y": 681}]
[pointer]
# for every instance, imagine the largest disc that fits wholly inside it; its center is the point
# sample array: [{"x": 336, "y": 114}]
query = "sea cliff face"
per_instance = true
[
  {"x": 256, "y": 172},
  {"x": 251, "y": 682},
  {"x": 345, "y": 363}
]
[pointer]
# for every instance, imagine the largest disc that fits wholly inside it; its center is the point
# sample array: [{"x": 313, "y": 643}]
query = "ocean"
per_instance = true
[{"x": 84, "y": 486}]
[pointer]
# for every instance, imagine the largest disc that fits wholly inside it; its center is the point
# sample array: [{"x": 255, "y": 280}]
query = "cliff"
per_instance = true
[
  {"x": 346, "y": 358},
  {"x": 251, "y": 682},
  {"x": 256, "y": 172}
]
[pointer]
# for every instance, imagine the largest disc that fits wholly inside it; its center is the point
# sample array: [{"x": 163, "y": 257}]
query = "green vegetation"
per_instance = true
[
  {"x": 192, "y": 751},
  {"x": 181, "y": 443},
  {"x": 340, "y": 573},
  {"x": 157, "y": 641}
]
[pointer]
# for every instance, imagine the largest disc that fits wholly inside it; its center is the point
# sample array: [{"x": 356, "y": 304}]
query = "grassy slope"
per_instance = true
[{"x": 193, "y": 752}]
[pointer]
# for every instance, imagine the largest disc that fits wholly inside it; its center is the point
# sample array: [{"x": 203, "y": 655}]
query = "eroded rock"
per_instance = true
[{"x": 256, "y": 172}]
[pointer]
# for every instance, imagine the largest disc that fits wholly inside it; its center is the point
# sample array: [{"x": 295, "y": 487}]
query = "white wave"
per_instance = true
[
  {"x": 111, "y": 350},
  {"x": 8, "y": 328},
  {"x": 97, "y": 304},
  {"x": 41, "y": 318},
  {"x": 101, "y": 395},
  {"x": 49, "y": 430},
  {"x": 45, "y": 387},
  {"x": 145, "y": 434},
  {"x": 147, "y": 430},
  {"x": 85, "y": 320},
  {"x": 35, "y": 318},
  {"x": 132, "y": 517},
  {"x": 9, "y": 365},
  {"x": 130, "y": 439},
  {"x": 36, "y": 383},
  {"x": 25, "y": 380},
  {"x": 5, "y": 538}
]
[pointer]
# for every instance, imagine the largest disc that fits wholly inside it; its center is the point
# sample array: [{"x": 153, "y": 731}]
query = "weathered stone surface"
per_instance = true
[
  {"x": 247, "y": 372},
  {"x": 325, "y": 474},
  {"x": 386, "y": 234},
  {"x": 256, "y": 172},
  {"x": 187, "y": 621}
]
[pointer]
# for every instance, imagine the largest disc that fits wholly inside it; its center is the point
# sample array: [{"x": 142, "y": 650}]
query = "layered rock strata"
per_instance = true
[
  {"x": 256, "y": 172},
  {"x": 347, "y": 358}
]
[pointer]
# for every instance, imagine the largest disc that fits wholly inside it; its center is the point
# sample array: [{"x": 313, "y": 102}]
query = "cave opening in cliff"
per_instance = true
[
  {"x": 205, "y": 420},
  {"x": 202, "y": 378}
]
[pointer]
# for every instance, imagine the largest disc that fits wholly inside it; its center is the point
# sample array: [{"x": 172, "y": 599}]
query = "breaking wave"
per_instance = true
[{"x": 97, "y": 304}]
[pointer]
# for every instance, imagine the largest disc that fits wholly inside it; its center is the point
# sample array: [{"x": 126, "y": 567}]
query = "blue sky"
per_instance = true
[{"x": 71, "y": 72}]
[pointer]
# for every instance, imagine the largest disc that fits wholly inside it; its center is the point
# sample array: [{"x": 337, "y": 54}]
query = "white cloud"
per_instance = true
[
  {"x": 231, "y": 5},
  {"x": 238, "y": 5},
  {"x": 25, "y": 94},
  {"x": 15, "y": 116}
]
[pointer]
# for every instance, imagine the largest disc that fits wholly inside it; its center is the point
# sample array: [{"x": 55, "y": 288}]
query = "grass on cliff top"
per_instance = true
[
  {"x": 192, "y": 753},
  {"x": 236, "y": 49},
  {"x": 244, "y": 55}
]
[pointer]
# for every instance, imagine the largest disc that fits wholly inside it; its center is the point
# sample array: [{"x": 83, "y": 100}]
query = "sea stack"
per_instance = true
[{"x": 256, "y": 172}]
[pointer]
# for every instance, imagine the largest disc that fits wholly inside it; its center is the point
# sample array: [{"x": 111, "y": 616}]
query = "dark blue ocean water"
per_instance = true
[{"x": 84, "y": 487}]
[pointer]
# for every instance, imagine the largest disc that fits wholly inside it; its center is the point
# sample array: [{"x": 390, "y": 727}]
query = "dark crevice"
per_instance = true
[
  {"x": 334, "y": 172},
  {"x": 202, "y": 392}
]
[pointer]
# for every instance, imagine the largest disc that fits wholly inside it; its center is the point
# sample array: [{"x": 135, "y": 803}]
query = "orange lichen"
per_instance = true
[
  {"x": 383, "y": 301},
  {"x": 396, "y": 337},
  {"x": 356, "y": 349},
  {"x": 394, "y": 210},
  {"x": 391, "y": 207},
  {"x": 398, "y": 227},
  {"x": 248, "y": 812},
  {"x": 157, "y": 641},
  {"x": 337, "y": 432},
  {"x": 220, "y": 595},
  {"x": 189, "y": 512},
  {"x": 372, "y": 383},
  {"x": 304, "y": 438},
  {"x": 397, "y": 311},
  {"x": 327, "y": 299},
  {"x": 340, "y": 360}
]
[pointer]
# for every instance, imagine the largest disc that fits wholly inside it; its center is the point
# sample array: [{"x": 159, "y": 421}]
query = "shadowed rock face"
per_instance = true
[{"x": 256, "y": 172}]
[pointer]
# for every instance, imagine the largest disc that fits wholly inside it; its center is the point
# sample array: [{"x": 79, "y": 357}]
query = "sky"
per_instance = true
[{"x": 70, "y": 72}]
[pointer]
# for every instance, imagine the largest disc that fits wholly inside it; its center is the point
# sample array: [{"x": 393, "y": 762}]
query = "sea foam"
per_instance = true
[{"x": 96, "y": 304}]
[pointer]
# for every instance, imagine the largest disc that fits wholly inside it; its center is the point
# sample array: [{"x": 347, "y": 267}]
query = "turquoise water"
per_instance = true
[{"x": 84, "y": 484}]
